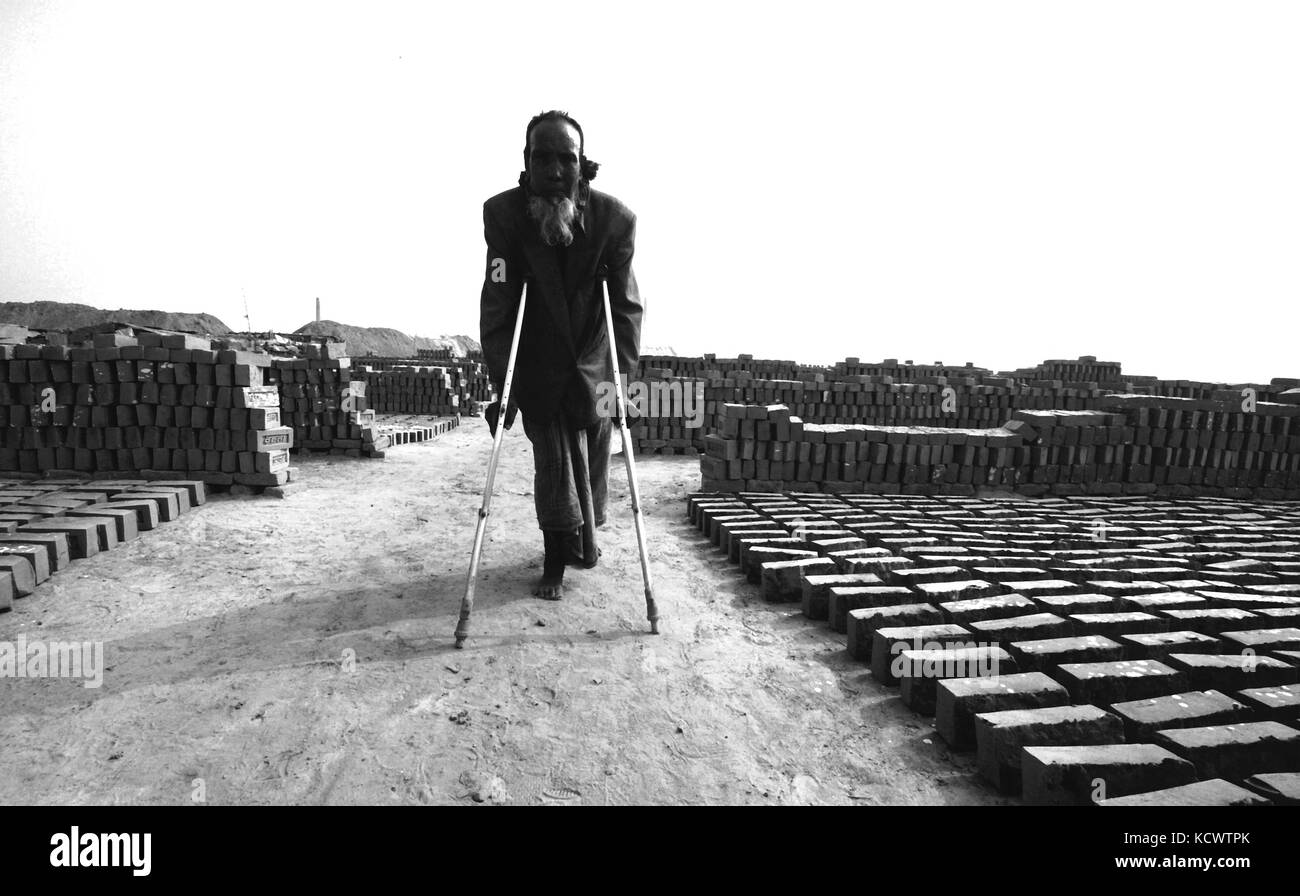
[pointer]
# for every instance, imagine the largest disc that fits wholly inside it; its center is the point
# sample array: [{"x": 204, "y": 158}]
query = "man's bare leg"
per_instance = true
[{"x": 551, "y": 586}]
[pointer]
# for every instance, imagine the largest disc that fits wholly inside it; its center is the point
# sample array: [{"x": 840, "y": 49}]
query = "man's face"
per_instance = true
[{"x": 553, "y": 164}]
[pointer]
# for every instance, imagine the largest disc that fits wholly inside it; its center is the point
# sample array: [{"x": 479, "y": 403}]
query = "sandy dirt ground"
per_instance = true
[{"x": 300, "y": 651}]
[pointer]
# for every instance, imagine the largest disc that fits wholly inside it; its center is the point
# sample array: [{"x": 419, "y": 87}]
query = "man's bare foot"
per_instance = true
[{"x": 550, "y": 588}]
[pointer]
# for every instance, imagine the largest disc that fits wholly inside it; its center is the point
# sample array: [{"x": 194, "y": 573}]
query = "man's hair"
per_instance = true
[{"x": 588, "y": 167}]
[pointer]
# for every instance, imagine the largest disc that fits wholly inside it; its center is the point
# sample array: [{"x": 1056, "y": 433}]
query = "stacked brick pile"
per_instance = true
[
  {"x": 149, "y": 402},
  {"x": 939, "y": 401},
  {"x": 405, "y": 430},
  {"x": 1201, "y": 391},
  {"x": 1139, "y": 445},
  {"x": 884, "y": 393},
  {"x": 905, "y": 371},
  {"x": 413, "y": 386},
  {"x": 674, "y": 422},
  {"x": 754, "y": 440},
  {"x": 319, "y": 401},
  {"x": 710, "y": 365},
  {"x": 47, "y": 524},
  {"x": 1086, "y": 369},
  {"x": 431, "y": 391},
  {"x": 1082, "y": 650}
]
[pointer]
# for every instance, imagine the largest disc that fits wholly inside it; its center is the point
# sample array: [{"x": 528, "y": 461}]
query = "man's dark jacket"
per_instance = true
[{"x": 564, "y": 347}]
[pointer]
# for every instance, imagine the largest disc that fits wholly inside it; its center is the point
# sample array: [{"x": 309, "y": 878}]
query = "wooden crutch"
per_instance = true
[
  {"x": 467, "y": 604},
  {"x": 651, "y": 611}
]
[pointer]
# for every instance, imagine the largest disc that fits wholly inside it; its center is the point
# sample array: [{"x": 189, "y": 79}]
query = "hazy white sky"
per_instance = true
[{"x": 998, "y": 182}]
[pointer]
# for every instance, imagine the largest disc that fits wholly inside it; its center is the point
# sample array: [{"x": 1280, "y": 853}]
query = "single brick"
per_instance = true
[
  {"x": 1280, "y": 788},
  {"x": 1037, "y": 587},
  {"x": 999, "y": 573},
  {"x": 960, "y": 699},
  {"x": 1244, "y": 601},
  {"x": 1193, "y": 709},
  {"x": 1069, "y": 604},
  {"x": 980, "y": 608},
  {"x": 1280, "y": 614},
  {"x": 882, "y": 566},
  {"x": 912, "y": 575},
  {"x": 1117, "y": 681},
  {"x": 862, "y": 624},
  {"x": 1033, "y": 627},
  {"x": 1115, "y": 624},
  {"x": 1236, "y": 751},
  {"x": 1046, "y": 655},
  {"x": 19, "y": 572},
  {"x": 1233, "y": 672},
  {"x": 1126, "y": 589},
  {"x": 827, "y": 546},
  {"x": 1210, "y": 621},
  {"x": 1158, "y": 645},
  {"x": 1215, "y": 792},
  {"x": 1280, "y": 703},
  {"x": 1163, "y": 600},
  {"x": 1080, "y": 775},
  {"x": 1264, "y": 639}
]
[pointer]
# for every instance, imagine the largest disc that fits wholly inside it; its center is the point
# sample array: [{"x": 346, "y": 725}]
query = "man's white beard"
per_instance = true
[{"x": 555, "y": 217}]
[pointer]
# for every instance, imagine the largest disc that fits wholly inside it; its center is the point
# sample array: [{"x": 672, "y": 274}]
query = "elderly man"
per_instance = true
[{"x": 561, "y": 236}]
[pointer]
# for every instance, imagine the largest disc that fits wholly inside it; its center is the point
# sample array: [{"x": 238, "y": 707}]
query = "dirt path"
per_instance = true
[{"x": 228, "y": 636}]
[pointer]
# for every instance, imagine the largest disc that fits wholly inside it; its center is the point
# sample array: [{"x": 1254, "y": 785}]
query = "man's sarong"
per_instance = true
[{"x": 571, "y": 482}]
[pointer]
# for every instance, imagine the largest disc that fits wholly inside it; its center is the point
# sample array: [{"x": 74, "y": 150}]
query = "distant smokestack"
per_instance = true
[{"x": 318, "y": 309}]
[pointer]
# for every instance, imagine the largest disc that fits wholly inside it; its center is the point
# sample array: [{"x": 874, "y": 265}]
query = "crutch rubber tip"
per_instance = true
[
  {"x": 654, "y": 626},
  {"x": 460, "y": 642}
]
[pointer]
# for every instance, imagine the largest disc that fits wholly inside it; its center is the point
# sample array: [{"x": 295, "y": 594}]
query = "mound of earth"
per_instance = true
[
  {"x": 384, "y": 342},
  {"x": 71, "y": 316}
]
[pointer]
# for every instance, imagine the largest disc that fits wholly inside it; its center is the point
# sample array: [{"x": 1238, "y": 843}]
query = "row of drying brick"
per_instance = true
[
  {"x": 402, "y": 386},
  {"x": 1132, "y": 449},
  {"x": 46, "y": 525},
  {"x": 1040, "y": 678},
  {"x": 405, "y": 430}
]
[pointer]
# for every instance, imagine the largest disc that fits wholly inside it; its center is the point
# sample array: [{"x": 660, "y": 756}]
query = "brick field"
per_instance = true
[{"x": 1083, "y": 649}]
